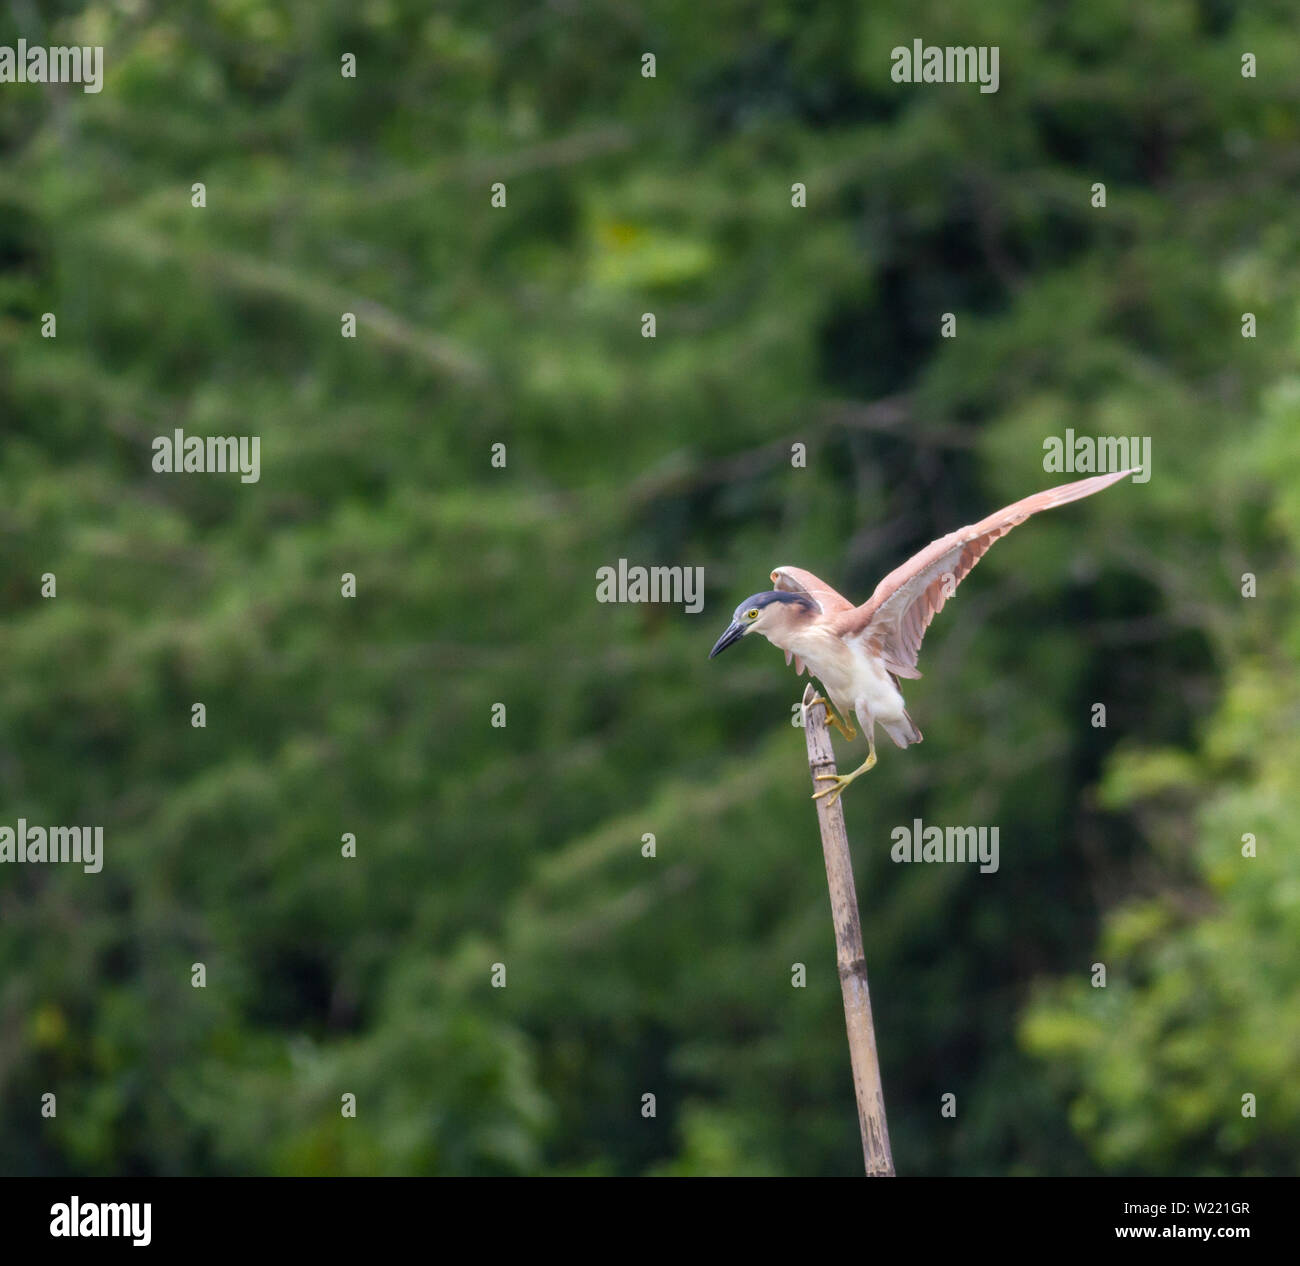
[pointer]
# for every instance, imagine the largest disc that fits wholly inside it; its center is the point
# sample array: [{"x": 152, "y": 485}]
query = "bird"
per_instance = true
[{"x": 858, "y": 653}]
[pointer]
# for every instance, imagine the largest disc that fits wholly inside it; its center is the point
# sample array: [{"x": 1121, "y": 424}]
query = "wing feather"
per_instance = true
[
  {"x": 796, "y": 580},
  {"x": 894, "y": 619}
]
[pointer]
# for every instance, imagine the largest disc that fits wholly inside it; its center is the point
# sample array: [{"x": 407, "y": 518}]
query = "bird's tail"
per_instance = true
[{"x": 903, "y": 732}]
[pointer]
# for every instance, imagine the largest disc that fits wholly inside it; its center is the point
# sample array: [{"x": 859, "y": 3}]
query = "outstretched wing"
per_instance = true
[
  {"x": 894, "y": 619},
  {"x": 796, "y": 580}
]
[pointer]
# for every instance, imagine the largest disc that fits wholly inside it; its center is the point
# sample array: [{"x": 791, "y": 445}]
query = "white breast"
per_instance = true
[{"x": 850, "y": 675}]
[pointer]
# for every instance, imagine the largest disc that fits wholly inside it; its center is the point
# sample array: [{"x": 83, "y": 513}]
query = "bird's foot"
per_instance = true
[
  {"x": 841, "y": 781},
  {"x": 842, "y": 724}
]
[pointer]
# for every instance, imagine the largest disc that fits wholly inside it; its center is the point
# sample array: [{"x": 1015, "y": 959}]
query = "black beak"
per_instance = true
[{"x": 733, "y": 635}]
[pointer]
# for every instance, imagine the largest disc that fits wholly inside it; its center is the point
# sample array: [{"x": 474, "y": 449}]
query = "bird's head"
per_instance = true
[{"x": 775, "y": 615}]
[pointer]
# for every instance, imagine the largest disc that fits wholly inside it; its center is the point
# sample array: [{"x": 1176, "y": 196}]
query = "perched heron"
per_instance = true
[{"x": 859, "y": 653}]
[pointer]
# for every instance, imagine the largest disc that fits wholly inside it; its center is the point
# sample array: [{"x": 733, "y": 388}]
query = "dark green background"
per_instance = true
[{"x": 476, "y": 586}]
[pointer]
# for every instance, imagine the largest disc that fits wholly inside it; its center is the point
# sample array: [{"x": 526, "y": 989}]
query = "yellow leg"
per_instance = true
[
  {"x": 841, "y": 781},
  {"x": 844, "y": 725}
]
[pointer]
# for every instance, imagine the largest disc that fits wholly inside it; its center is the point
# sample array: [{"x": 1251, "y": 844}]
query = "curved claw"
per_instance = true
[
  {"x": 841, "y": 781},
  {"x": 833, "y": 792},
  {"x": 843, "y": 724}
]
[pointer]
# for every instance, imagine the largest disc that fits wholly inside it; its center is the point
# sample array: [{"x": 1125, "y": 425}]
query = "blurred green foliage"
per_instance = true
[{"x": 476, "y": 585}]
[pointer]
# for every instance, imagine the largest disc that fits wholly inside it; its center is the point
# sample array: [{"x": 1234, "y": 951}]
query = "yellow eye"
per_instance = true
[{"x": 752, "y": 613}]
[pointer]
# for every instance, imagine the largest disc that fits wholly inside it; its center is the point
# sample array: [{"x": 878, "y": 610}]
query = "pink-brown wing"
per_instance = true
[
  {"x": 894, "y": 619},
  {"x": 796, "y": 580}
]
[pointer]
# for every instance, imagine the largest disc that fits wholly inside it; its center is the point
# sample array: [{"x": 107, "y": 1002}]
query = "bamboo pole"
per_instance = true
[{"x": 848, "y": 951}]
